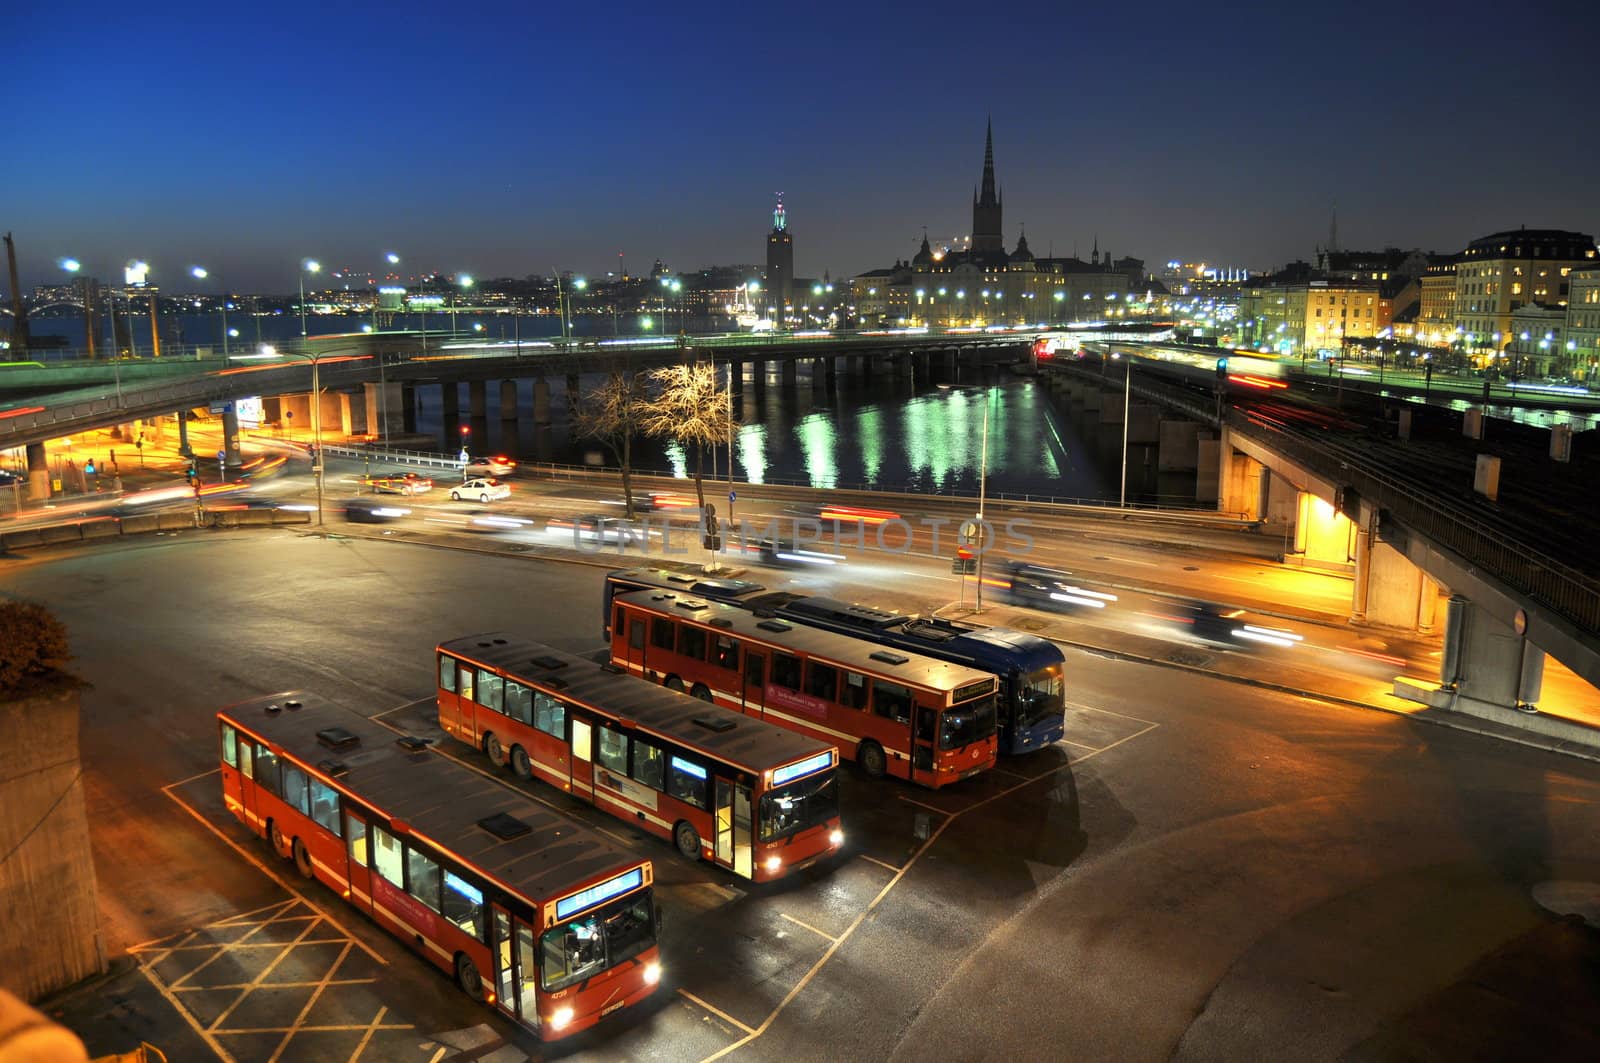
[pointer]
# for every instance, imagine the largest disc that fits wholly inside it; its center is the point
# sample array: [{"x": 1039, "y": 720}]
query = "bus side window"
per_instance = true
[
  {"x": 691, "y": 642},
  {"x": 853, "y": 695},
  {"x": 686, "y": 781},
  {"x": 230, "y": 746},
  {"x": 617, "y": 621},
  {"x": 519, "y": 702},
  {"x": 786, "y": 671},
  {"x": 822, "y": 680},
  {"x": 661, "y": 633},
  {"x": 489, "y": 690},
  {"x": 447, "y": 674},
  {"x": 891, "y": 701},
  {"x": 614, "y": 750},
  {"x": 387, "y": 857},
  {"x": 464, "y": 686},
  {"x": 325, "y": 806},
  {"x": 294, "y": 788},
  {"x": 647, "y": 764},
  {"x": 635, "y": 633},
  {"x": 755, "y": 668},
  {"x": 422, "y": 878},
  {"x": 356, "y": 830},
  {"x": 549, "y": 715},
  {"x": 247, "y": 760},
  {"x": 725, "y": 651},
  {"x": 267, "y": 770}
]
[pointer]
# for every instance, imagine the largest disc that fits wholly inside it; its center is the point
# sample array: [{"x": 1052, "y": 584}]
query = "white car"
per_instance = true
[{"x": 481, "y": 489}]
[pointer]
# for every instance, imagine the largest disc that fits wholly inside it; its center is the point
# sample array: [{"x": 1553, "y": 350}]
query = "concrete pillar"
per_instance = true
[
  {"x": 452, "y": 401},
  {"x": 1427, "y": 605},
  {"x": 541, "y": 402},
  {"x": 759, "y": 371},
  {"x": 1241, "y": 485},
  {"x": 830, "y": 369},
  {"x": 920, "y": 361},
  {"x": 345, "y": 413},
  {"x": 1110, "y": 408},
  {"x": 38, "y": 473},
  {"x": 408, "y": 408},
  {"x": 574, "y": 396},
  {"x": 335, "y": 414},
  {"x": 1177, "y": 446},
  {"x": 271, "y": 409},
  {"x": 1208, "y": 470},
  {"x": 790, "y": 375},
  {"x": 1092, "y": 398},
  {"x": 819, "y": 374},
  {"x": 478, "y": 399},
  {"x": 386, "y": 407},
  {"x": 508, "y": 400},
  {"x": 1280, "y": 500},
  {"x": 1389, "y": 590},
  {"x": 1494, "y": 663},
  {"x": 1323, "y": 537},
  {"x": 230, "y": 437},
  {"x": 182, "y": 417}
]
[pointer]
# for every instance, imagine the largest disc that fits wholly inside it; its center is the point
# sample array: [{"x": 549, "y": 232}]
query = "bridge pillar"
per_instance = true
[
  {"x": 38, "y": 473},
  {"x": 574, "y": 396},
  {"x": 230, "y": 436},
  {"x": 758, "y": 370},
  {"x": 1177, "y": 446},
  {"x": 182, "y": 417},
  {"x": 1323, "y": 537},
  {"x": 352, "y": 413},
  {"x": 790, "y": 374},
  {"x": 1389, "y": 590},
  {"x": 1487, "y": 660},
  {"x": 1208, "y": 471},
  {"x": 920, "y": 361},
  {"x": 386, "y": 408},
  {"x": 947, "y": 363},
  {"x": 1144, "y": 424},
  {"x": 508, "y": 401},
  {"x": 541, "y": 402},
  {"x": 820, "y": 373},
  {"x": 830, "y": 367},
  {"x": 408, "y": 408},
  {"x": 478, "y": 399},
  {"x": 1241, "y": 487},
  {"x": 450, "y": 396}
]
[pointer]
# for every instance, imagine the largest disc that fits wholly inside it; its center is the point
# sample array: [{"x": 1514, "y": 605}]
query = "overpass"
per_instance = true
[{"x": 1417, "y": 502}]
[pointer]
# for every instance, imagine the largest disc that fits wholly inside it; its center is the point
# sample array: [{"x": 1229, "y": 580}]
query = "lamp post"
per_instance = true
[
  {"x": 200, "y": 273},
  {"x": 983, "y": 485},
  {"x": 463, "y": 283},
  {"x": 316, "y": 420},
  {"x": 1127, "y": 393},
  {"x": 310, "y": 265},
  {"x": 72, "y": 266}
]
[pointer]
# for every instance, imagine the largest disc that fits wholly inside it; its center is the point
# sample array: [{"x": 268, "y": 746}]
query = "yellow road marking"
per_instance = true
[{"x": 718, "y": 1012}]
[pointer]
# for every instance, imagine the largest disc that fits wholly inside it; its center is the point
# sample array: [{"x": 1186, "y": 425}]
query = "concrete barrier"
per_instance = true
[
  {"x": 101, "y": 529},
  {"x": 60, "y": 533},
  {"x": 20, "y": 539},
  {"x": 174, "y": 521},
  {"x": 290, "y": 516},
  {"x": 141, "y": 523}
]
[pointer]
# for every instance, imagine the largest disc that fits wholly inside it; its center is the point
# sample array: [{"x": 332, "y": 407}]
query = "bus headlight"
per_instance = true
[
  {"x": 836, "y": 838},
  {"x": 774, "y": 862},
  {"x": 560, "y": 1018},
  {"x": 652, "y": 973}
]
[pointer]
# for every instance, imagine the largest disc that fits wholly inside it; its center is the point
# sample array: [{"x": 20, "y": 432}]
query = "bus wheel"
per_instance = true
[
  {"x": 302, "y": 859},
  {"x": 869, "y": 755},
  {"x": 702, "y": 692},
  {"x": 467, "y": 977},
  {"x": 494, "y": 750},
  {"x": 520, "y": 764},
  {"x": 688, "y": 839},
  {"x": 276, "y": 840},
  {"x": 672, "y": 682}
]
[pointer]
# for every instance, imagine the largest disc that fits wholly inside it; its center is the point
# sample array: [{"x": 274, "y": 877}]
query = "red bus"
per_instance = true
[
  {"x": 753, "y": 798},
  {"x": 528, "y": 910},
  {"x": 894, "y": 712}
]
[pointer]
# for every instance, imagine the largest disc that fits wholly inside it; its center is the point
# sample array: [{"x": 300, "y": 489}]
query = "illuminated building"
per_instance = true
[
  {"x": 1500, "y": 273},
  {"x": 779, "y": 289}
]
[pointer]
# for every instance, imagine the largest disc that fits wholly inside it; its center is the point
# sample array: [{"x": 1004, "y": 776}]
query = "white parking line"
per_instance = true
[
  {"x": 808, "y": 926},
  {"x": 718, "y": 1012}
]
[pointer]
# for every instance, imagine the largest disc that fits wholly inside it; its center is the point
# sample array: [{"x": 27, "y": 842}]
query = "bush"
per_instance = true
[{"x": 32, "y": 643}]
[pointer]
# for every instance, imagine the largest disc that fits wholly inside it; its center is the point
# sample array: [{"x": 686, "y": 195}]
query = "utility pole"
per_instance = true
[{"x": 20, "y": 340}]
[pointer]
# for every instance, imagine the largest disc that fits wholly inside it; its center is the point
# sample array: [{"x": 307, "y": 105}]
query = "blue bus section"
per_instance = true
[{"x": 1031, "y": 670}]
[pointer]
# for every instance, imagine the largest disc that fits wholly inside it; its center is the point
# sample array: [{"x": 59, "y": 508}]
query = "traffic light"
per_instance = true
[
  {"x": 1222, "y": 369},
  {"x": 713, "y": 536},
  {"x": 190, "y": 473}
]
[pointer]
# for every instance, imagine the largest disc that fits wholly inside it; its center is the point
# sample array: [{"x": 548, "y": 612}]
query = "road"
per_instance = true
[{"x": 1201, "y": 869}]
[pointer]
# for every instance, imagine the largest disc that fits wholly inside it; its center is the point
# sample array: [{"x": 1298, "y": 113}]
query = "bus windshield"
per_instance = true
[
  {"x": 583, "y": 947},
  {"x": 965, "y": 724},
  {"x": 1040, "y": 695},
  {"x": 802, "y": 804}
]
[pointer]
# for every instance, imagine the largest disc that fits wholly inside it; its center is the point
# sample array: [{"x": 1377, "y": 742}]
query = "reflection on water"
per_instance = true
[{"x": 882, "y": 434}]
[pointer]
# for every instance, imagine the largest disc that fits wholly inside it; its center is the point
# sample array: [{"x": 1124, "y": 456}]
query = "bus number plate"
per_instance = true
[{"x": 609, "y": 1008}]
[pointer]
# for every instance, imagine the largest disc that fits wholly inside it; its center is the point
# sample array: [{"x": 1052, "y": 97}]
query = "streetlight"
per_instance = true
[
  {"x": 200, "y": 273},
  {"x": 72, "y": 266},
  {"x": 463, "y": 282},
  {"x": 564, "y": 302},
  {"x": 316, "y": 413},
  {"x": 310, "y": 265}
]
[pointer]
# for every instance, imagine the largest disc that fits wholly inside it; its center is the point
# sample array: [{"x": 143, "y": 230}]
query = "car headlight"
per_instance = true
[
  {"x": 652, "y": 973},
  {"x": 836, "y": 837},
  {"x": 561, "y": 1018},
  {"x": 774, "y": 862}
]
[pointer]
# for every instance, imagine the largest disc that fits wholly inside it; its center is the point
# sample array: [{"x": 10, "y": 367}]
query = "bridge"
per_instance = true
[{"x": 1418, "y": 502}]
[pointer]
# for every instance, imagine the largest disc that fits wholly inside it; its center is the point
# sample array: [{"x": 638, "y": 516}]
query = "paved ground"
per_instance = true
[{"x": 1202, "y": 869}]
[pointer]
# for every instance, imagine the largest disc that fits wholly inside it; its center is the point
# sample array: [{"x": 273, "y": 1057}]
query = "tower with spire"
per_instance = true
[
  {"x": 780, "y": 265},
  {"x": 988, "y": 234}
]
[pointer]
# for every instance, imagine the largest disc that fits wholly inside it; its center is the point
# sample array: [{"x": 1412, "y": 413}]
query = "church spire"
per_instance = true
[
  {"x": 986, "y": 221},
  {"x": 987, "y": 197}
]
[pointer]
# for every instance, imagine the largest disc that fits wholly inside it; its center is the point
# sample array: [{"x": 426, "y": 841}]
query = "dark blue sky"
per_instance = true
[{"x": 517, "y": 138}]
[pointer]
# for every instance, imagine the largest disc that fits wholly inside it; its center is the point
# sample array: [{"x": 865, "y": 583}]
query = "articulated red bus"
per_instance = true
[
  {"x": 529, "y": 910},
  {"x": 753, "y": 798},
  {"x": 895, "y": 712}
]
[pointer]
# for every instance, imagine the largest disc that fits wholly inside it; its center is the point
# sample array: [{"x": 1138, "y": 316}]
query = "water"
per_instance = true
[{"x": 920, "y": 436}]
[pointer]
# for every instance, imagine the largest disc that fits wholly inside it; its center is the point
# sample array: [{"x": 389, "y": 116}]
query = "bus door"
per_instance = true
[
  {"x": 525, "y": 962},
  {"x": 924, "y": 730},
  {"x": 505, "y": 966},
  {"x": 755, "y": 681},
  {"x": 358, "y": 859},
  {"x": 582, "y": 770},
  {"x": 734, "y": 823},
  {"x": 247, "y": 781}
]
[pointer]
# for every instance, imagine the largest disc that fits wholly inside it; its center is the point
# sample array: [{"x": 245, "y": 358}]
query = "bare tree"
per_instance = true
[
  {"x": 690, "y": 408},
  {"x": 611, "y": 414}
]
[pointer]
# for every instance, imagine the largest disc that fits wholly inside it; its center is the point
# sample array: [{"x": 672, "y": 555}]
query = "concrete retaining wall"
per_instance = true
[{"x": 107, "y": 528}]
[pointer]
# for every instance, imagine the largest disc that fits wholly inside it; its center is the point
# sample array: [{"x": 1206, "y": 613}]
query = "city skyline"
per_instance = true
[{"x": 254, "y": 145}]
